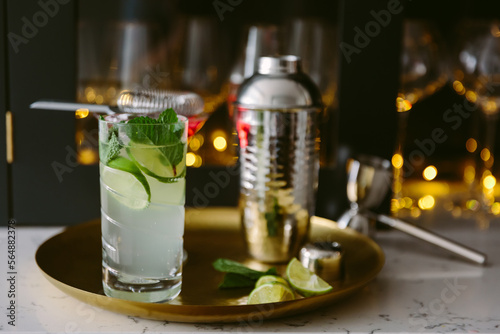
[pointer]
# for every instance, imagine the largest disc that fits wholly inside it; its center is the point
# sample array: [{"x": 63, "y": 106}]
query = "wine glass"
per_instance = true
[
  {"x": 315, "y": 42},
  {"x": 477, "y": 77},
  {"x": 198, "y": 63},
  {"x": 113, "y": 55},
  {"x": 198, "y": 58},
  {"x": 422, "y": 74}
]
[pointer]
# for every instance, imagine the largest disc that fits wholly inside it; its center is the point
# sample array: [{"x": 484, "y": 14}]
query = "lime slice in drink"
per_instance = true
[
  {"x": 270, "y": 293},
  {"x": 305, "y": 281},
  {"x": 270, "y": 279},
  {"x": 126, "y": 183},
  {"x": 154, "y": 163}
]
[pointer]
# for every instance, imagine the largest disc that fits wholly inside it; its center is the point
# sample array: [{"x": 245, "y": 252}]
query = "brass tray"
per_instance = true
[{"x": 71, "y": 261}]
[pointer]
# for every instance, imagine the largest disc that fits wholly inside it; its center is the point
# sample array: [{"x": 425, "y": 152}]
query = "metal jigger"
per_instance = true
[{"x": 368, "y": 180}]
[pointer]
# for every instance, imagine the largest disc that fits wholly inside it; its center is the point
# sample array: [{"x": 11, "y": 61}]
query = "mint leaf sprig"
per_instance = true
[
  {"x": 158, "y": 135},
  {"x": 167, "y": 138},
  {"x": 111, "y": 149},
  {"x": 238, "y": 275}
]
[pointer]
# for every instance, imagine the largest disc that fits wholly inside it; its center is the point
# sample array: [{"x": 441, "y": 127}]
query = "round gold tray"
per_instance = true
[{"x": 71, "y": 261}]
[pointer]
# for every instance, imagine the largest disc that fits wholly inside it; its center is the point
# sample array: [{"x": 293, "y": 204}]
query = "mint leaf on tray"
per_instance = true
[
  {"x": 236, "y": 281},
  {"x": 238, "y": 275}
]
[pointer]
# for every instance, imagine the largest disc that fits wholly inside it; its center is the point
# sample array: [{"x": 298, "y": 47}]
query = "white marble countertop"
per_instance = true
[{"x": 420, "y": 289}]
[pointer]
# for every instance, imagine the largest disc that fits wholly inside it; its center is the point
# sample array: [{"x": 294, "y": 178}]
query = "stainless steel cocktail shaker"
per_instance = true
[{"x": 277, "y": 113}]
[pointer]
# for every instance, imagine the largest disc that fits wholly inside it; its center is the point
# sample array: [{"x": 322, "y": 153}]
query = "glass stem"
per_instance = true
[
  {"x": 398, "y": 160},
  {"x": 486, "y": 178}
]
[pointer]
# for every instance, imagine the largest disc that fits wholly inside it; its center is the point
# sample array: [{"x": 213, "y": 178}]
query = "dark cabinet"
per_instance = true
[{"x": 47, "y": 186}]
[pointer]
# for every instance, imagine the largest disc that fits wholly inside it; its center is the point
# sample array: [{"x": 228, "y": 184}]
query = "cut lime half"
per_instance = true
[
  {"x": 270, "y": 279},
  {"x": 125, "y": 182},
  {"x": 305, "y": 281},
  {"x": 151, "y": 160},
  {"x": 270, "y": 293}
]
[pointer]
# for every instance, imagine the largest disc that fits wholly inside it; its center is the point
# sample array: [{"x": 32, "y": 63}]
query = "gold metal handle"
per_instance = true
[{"x": 9, "y": 131}]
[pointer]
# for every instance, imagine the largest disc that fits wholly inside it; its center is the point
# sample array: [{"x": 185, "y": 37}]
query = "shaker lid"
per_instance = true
[
  {"x": 279, "y": 83},
  {"x": 276, "y": 65}
]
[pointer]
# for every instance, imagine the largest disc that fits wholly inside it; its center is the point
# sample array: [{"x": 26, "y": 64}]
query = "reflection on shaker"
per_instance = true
[{"x": 277, "y": 116}]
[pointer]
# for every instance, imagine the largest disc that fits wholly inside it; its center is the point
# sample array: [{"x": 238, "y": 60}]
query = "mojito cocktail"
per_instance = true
[{"x": 142, "y": 172}]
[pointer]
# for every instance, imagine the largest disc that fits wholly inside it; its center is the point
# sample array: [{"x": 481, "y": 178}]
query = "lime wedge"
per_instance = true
[
  {"x": 305, "y": 281},
  {"x": 270, "y": 293},
  {"x": 153, "y": 162},
  {"x": 124, "y": 180},
  {"x": 270, "y": 279}
]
